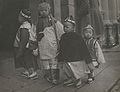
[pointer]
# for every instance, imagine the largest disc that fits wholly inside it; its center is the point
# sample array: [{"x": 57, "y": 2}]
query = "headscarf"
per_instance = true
[
  {"x": 26, "y": 13},
  {"x": 70, "y": 19},
  {"x": 88, "y": 27}
]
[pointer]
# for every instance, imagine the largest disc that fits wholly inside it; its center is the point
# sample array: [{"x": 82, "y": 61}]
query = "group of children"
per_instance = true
[{"x": 78, "y": 53}]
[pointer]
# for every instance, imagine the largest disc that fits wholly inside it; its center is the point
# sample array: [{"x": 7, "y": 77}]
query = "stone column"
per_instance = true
[
  {"x": 113, "y": 19},
  {"x": 67, "y": 8},
  {"x": 71, "y": 6},
  {"x": 118, "y": 18},
  {"x": 105, "y": 9},
  {"x": 64, "y": 9},
  {"x": 57, "y": 9},
  {"x": 117, "y": 7},
  {"x": 34, "y": 7},
  {"x": 112, "y": 11},
  {"x": 109, "y": 40}
]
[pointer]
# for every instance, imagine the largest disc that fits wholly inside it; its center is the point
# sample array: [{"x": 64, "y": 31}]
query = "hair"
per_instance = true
[{"x": 44, "y": 5}]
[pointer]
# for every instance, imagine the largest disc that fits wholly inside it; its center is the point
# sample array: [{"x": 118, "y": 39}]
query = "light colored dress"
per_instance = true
[{"x": 48, "y": 48}]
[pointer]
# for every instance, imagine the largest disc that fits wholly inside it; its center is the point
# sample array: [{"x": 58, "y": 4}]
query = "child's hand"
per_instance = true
[
  {"x": 61, "y": 65},
  {"x": 95, "y": 63},
  {"x": 40, "y": 36},
  {"x": 35, "y": 52}
]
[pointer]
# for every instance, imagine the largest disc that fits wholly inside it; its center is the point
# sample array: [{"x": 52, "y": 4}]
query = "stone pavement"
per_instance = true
[
  {"x": 107, "y": 77},
  {"x": 115, "y": 87}
]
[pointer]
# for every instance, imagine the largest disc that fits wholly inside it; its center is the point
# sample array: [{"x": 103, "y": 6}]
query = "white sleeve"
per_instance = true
[
  {"x": 99, "y": 53},
  {"x": 26, "y": 25},
  {"x": 59, "y": 29}
]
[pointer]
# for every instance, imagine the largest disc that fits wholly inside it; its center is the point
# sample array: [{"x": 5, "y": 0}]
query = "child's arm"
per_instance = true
[{"x": 99, "y": 53}]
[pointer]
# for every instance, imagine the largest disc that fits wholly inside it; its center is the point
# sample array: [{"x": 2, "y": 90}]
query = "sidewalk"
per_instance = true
[
  {"x": 114, "y": 49},
  {"x": 106, "y": 80}
]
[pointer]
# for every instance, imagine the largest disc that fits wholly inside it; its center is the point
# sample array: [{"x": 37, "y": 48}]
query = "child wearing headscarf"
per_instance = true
[
  {"x": 23, "y": 47},
  {"x": 73, "y": 54},
  {"x": 94, "y": 49}
]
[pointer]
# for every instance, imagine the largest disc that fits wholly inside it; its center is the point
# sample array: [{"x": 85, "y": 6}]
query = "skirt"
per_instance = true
[
  {"x": 27, "y": 60},
  {"x": 75, "y": 69}
]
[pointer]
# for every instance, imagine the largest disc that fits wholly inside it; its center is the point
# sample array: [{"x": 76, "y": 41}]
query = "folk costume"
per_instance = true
[
  {"x": 49, "y": 31},
  {"x": 95, "y": 52},
  {"x": 23, "y": 46},
  {"x": 74, "y": 55}
]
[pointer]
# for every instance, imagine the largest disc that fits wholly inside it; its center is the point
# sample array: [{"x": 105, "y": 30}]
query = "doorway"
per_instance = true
[{"x": 9, "y": 21}]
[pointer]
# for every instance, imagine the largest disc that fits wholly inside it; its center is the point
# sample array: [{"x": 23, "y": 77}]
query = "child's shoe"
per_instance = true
[
  {"x": 67, "y": 82},
  {"x": 70, "y": 84},
  {"x": 25, "y": 74},
  {"x": 90, "y": 80},
  {"x": 91, "y": 77},
  {"x": 79, "y": 84},
  {"x": 33, "y": 76},
  {"x": 96, "y": 64}
]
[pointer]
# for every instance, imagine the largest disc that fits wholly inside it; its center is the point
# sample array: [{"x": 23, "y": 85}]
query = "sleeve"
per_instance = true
[
  {"x": 26, "y": 26},
  {"x": 24, "y": 37},
  {"x": 99, "y": 53},
  {"x": 59, "y": 29},
  {"x": 61, "y": 53},
  {"x": 85, "y": 52}
]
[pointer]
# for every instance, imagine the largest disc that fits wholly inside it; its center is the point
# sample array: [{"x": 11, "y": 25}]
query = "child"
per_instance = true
[
  {"x": 49, "y": 31},
  {"x": 24, "y": 45},
  {"x": 94, "y": 49},
  {"x": 73, "y": 53}
]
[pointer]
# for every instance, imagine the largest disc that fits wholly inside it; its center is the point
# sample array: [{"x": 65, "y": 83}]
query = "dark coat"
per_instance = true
[
  {"x": 22, "y": 55},
  {"x": 73, "y": 48}
]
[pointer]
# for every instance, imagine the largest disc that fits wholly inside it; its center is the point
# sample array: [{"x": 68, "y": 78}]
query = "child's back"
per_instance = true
[{"x": 73, "y": 47}]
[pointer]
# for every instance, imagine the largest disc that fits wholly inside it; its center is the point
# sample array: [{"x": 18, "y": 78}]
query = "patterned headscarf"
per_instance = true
[
  {"x": 26, "y": 13},
  {"x": 70, "y": 19},
  {"x": 88, "y": 27}
]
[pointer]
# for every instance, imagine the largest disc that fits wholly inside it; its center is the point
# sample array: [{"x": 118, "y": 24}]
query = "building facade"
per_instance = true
[{"x": 102, "y": 14}]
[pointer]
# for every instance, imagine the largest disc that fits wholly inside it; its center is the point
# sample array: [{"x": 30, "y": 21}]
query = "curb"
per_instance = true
[
  {"x": 113, "y": 85},
  {"x": 110, "y": 50},
  {"x": 114, "y": 49}
]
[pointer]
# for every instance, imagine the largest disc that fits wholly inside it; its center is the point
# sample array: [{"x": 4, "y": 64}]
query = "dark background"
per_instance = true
[{"x": 9, "y": 10}]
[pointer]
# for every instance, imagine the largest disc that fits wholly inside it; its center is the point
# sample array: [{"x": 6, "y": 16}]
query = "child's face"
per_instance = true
[
  {"x": 68, "y": 27},
  {"x": 88, "y": 33},
  {"x": 21, "y": 19},
  {"x": 44, "y": 12}
]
